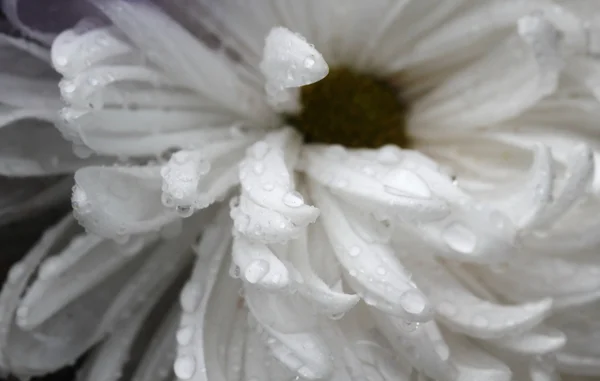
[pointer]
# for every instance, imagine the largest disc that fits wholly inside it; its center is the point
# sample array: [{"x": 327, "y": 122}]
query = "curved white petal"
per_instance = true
[
  {"x": 209, "y": 302},
  {"x": 18, "y": 277},
  {"x": 159, "y": 356},
  {"x": 464, "y": 312},
  {"x": 259, "y": 265},
  {"x": 386, "y": 186},
  {"x": 115, "y": 202},
  {"x": 301, "y": 346},
  {"x": 327, "y": 300},
  {"x": 194, "y": 179},
  {"x": 538, "y": 341},
  {"x": 188, "y": 61},
  {"x": 507, "y": 81},
  {"x": 271, "y": 210},
  {"x": 473, "y": 363},
  {"x": 423, "y": 345},
  {"x": 372, "y": 269},
  {"x": 65, "y": 276}
]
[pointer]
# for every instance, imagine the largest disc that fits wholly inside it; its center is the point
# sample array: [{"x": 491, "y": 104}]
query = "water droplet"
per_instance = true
[
  {"x": 381, "y": 270},
  {"x": 389, "y": 154},
  {"x": 185, "y": 367},
  {"x": 309, "y": 62},
  {"x": 184, "y": 335},
  {"x": 184, "y": 211},
  {"x": 293, "y": 199},
  {"x": 354, "y": 251},
  {"x": 50, "y": 267},
  {"x": 256, "y": 270},
  {"x": 413, "y": 302},
  {"x": 16, "y": 272},
  {"x": 258, "y": 168},
  {"x": 460, "y": 238},
  {"x": 400, "y": 182},
  {"x": 190, "y": 297},
  {"x": 268, "y": 187}
]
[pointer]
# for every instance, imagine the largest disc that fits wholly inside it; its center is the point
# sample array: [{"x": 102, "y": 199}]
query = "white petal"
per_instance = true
[
  {"x": 388, "y": 189},
  {"x": 31, "y": 146},
  {"x": 301, "y": 346},
  {"x": 423, "y": 345},
  {"x": 106, "y": 363},
  {"x": 289, "y": 62},
  {"x": 194, "y": 179},
  {"x": 538, "y": 341},
  {"x": 526, "y": 278},
  {"x": 576, "y": 181},
  {"x": 473, "y": 363},
  {"x": 313, "y": 288},
  {"x": 270, "y": 208},
  {"x": 159, "y": 356},
  {"x": 18, "y": 277},
  {"x": 24, "y": 197},
  {"x": 464, "y": 312},
  {"x": 372, "y": 269},
  {"x": 209, "y": 302},
  {"x": 188, "y": 61},
  {"x": 65, "y": 276},
  {"x": 528, "y": 65},
  {"x": 119, "y": 201},
  {"x": 577, "y": 364},
  {"x": 259, "y": 265}
]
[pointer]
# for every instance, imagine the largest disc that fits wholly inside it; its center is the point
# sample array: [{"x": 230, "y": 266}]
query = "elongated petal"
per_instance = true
[
  {"x": 327, "y": 300},
  {"x": 528, "y": 64},
  {"x": 119, "y": 201},
  {"x": 538, "y": 341},
  {"x": 209, "y": 301},
  {"x": 371, "y": 268},
  {"x": 463, "y": 312},
  {"x": 302, "y": 349},
  {"x": 392, "y": 190},
  {"x": 259, "y": 265},
  {"x": 271, "y": 210},
  {"x": 18, "y": 278},
  {"x": 423, "y": 345},
  {"x": 64, "y": 277}
]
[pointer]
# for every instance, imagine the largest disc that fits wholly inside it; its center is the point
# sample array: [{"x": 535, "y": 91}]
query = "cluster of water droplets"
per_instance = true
[{"x": 181, "y": 178}]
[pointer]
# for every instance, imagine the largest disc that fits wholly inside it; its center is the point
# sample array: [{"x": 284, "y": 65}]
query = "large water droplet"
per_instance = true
[
  {"x": 293, "y": 199},
  {"x": 460, "y": 238},
  {"x": 185, "y": 367},
  {"x": 190, "y": 297},
  {"x": 184, "y": 335},
  {"x": 256, "y": 270},
  {"x": 400, "y": 182},
  {"x": 413, "y": 302}
]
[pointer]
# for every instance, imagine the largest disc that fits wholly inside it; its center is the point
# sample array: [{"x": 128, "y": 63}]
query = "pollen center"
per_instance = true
[{"x": 352, "y": 109}]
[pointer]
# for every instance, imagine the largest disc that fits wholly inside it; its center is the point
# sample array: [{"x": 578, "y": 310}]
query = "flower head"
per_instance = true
[{"x": 411, "y": 196}]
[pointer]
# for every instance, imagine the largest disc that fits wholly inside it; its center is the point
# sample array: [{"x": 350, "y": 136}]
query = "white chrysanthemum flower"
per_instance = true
[{"x": 416, "y": 200}]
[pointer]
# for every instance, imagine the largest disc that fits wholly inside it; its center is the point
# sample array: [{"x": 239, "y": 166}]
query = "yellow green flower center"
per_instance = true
[{"x": 352, "y": 109}]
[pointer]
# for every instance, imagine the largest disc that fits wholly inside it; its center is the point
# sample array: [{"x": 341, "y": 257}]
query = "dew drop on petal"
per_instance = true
[
  {"x": 185, "y": 367},
  {"x": 184, "y": 335},
  {"x": 256, "y": 270},
  {"x": 460, "y": 238},
  {"x": 293, "y": 199},
  {"x": 413, "y": 302},
  {"x": 354, "y": 251}
]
